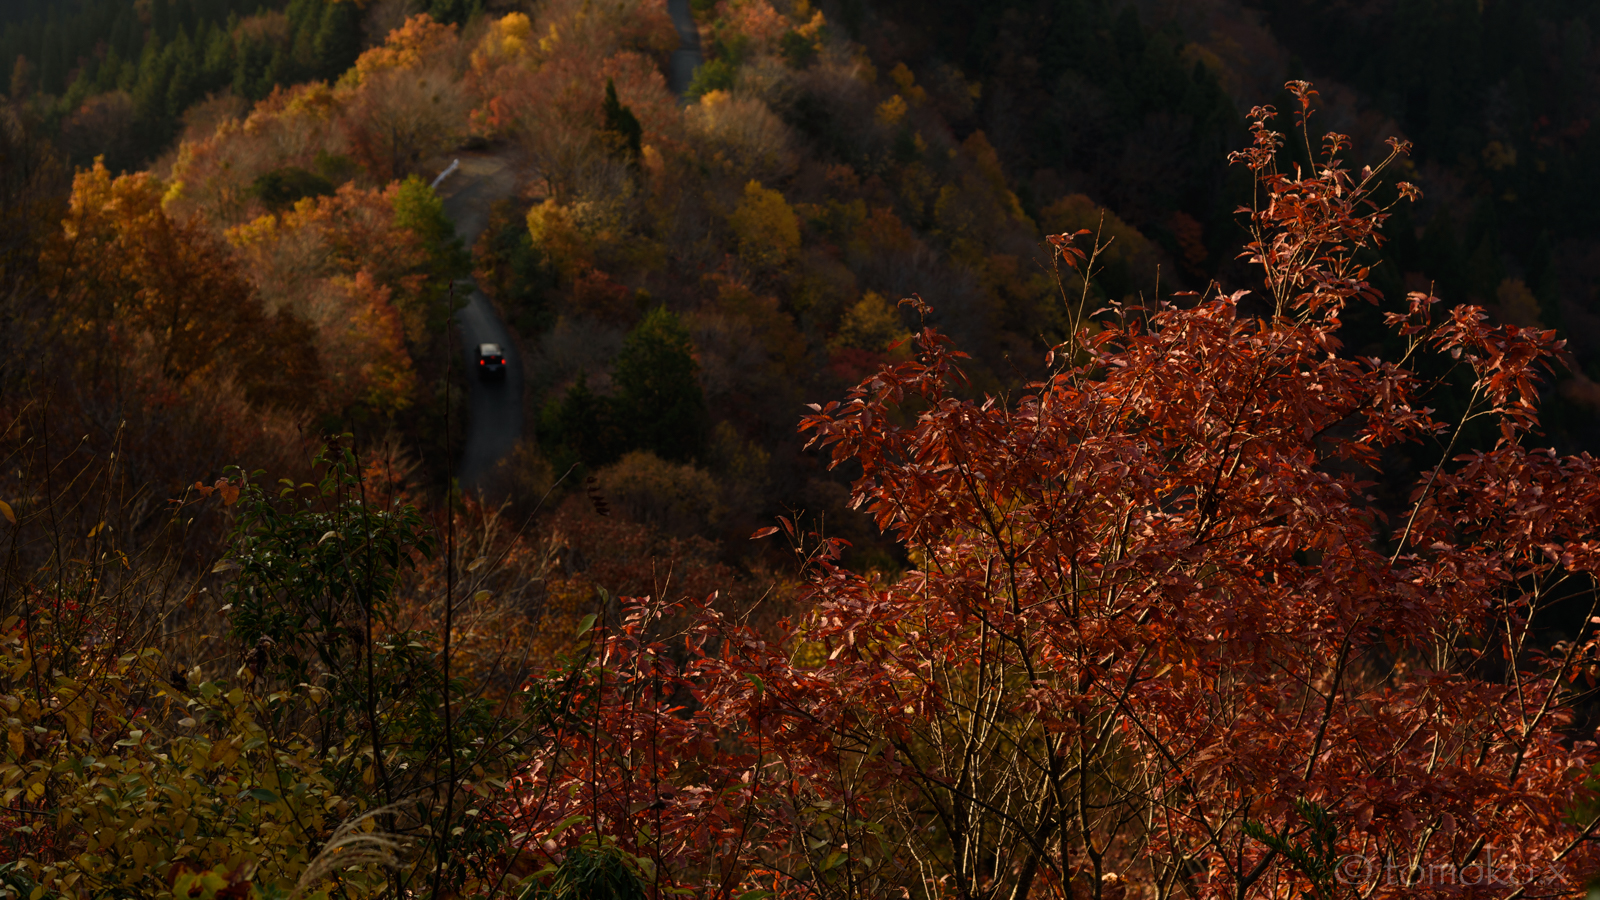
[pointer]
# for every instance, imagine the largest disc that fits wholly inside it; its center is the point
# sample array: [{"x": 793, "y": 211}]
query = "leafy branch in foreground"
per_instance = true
[{"x": 1156, "y": 637}]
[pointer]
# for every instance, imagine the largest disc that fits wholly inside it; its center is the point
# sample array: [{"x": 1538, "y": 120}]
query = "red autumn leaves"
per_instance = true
[{"x": 1156, "y": 638}]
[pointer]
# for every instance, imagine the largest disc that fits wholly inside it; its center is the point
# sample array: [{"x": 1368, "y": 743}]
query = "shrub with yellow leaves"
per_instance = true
[
  {"x": 874, "y": 325},
  {"x": 766, "y": 227},
  {"x": 121, "y": 778}
]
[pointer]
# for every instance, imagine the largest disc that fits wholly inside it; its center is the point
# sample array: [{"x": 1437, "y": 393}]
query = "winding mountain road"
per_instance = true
[
  {"x": 469, "y": 189},
  {"x": 494, "y": 423},
  {"x": 687, "y": 57}
]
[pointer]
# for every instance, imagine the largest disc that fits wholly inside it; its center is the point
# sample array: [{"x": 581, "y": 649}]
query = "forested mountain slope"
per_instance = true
[
  {"x": 1498, "y": 97},
  {"x": 830, "y": 160},
  {"x": 1136, "y": 497}
]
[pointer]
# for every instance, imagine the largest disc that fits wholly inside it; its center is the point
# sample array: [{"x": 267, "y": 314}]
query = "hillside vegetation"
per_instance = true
[{"x": 1168, "y": 514}]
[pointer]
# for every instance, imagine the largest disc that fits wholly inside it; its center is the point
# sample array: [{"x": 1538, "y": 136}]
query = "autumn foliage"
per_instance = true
[
  {"x": 1246, "y": 593},
  {"x": 129, "y": 273},
  {"x": 1157, "y": 639}
]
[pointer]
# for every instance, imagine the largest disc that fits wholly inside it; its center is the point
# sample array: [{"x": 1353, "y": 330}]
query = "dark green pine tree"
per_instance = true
[
  {"x": 184, "y": 86},
  {"x": 622, "y": 123},
  {"x": 153, "y": 123},
  {"x": 338, "y": 39},
  {"x": 279, "y": 70},
  {"x": 105, "y": 78},
  {"x": 660, "y": 405},
  {"x": 528, "y": 280},
  {"x": 304, "y": 19},
  {"x": 252, "y": 59},
  {"x": 581, "y": 427},
  {"x": 418, "y": 209},
  {"x": 454, "y": 12},
  {"x": 187, "y": 17},
  {"x": 219, "y": 59}
]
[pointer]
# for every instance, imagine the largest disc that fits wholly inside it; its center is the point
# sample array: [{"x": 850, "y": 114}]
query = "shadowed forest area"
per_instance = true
[{"x": 1164, "y": 427}]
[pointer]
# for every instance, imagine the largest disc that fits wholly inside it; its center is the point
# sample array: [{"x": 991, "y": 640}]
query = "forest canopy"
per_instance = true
[{"x": 1047, "y": 448}]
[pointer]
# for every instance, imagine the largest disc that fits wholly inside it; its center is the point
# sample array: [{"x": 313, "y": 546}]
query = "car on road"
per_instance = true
[{"x": 491, "y": 362}]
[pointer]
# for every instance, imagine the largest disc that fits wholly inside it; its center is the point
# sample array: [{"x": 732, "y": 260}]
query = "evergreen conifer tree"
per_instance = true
[
  {"x": 455, "y": 12},
  {"x": 338, "y": 39},
  {"x": 622, "y": 123},
  {"x": 419, "y": 209},
  {"x": 580, "y": 428},
  {"x": 660, "y": 405}
]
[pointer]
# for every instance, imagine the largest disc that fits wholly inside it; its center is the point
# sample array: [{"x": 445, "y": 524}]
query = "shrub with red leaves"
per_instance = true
[{"x": 1156, "y": 640}]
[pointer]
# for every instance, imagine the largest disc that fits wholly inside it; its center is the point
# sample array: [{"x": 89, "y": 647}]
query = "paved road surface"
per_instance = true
[
  {"x": 494, "y": 424},
  {"x": 687, "y": 57}
]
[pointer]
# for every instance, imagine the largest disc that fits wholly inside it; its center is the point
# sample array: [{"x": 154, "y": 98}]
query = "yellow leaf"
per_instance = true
[
  {"x": 892, "y": 110},
  {"x": 5, "y": 510},
  {"x": 14, "y": 739}
]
